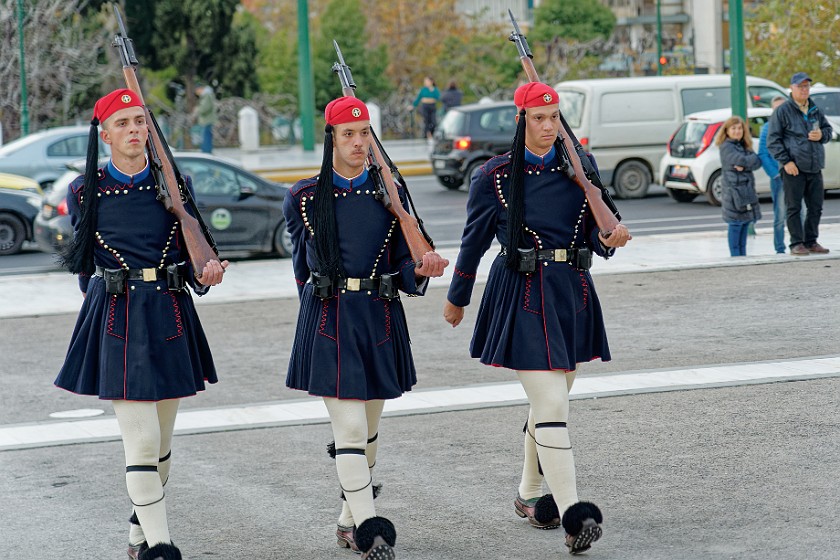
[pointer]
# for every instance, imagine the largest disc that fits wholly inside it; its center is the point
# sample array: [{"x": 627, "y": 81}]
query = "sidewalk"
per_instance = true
[
  {"x": 58, "y": 292},
  {"x": 287, "y": 164}
]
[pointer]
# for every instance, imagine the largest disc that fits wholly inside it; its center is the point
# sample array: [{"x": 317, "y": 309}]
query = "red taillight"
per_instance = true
[
  {"x": 61, "y": 209},
  {"x": 708, "y": 138},
  {"x": 668, "y": 147},
  {"x": 584, "y": 141},
  {"x": 462, "y": 143}
]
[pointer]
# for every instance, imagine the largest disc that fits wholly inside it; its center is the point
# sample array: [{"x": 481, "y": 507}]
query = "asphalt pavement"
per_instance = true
[{"x": 734, "y": 455}]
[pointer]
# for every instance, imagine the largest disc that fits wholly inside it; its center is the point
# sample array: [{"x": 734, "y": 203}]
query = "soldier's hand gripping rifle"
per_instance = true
[
  {"x": 171, "y": 187},
  {"x": 382, "y": 169},
  {"x": 600, "y": 202}
]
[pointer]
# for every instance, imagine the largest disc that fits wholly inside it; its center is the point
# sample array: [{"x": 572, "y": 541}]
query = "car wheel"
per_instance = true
[
  {"x": 681, "y": 196},
  {"x": 632, "y": 179},
  {"x": 12, "y": 234},
  {"x": 714, "y": 190},
  {"x": 450, "y": 182},
  {"x": 282, "y": 241},
  {"x": 471, "y": 169}
]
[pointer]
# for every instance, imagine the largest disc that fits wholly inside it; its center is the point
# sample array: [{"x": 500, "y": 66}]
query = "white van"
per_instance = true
[{"x": 626, "y": 122}]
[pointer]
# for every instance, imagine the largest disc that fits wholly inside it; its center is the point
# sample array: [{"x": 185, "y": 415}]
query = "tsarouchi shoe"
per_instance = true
[
  {"x": 541, "y": 512},
  {"x": 376, "y": 537},
  {"x": 582, "y": 523},
  {"x": 161, "y": 551},
  {"x": 345, "y": 538},
  {"x": 135, "y": 550}
]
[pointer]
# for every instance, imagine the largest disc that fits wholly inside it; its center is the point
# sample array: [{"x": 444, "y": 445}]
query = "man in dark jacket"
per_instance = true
[{"x": 798, "y": 130}]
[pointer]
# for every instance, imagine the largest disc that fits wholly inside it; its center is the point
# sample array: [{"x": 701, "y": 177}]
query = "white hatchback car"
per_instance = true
[{"x": 691, "y": 164}]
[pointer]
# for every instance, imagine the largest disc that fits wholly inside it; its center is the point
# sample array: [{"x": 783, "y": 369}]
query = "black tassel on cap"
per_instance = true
[
  {"x": 327, "y": 251},
  {"x": 516, "y": 194},
  {"x": 77, "y": 256}
]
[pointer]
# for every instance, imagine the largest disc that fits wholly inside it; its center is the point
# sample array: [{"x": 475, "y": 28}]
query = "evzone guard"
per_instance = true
[
  {"x": 540, "y": 315},
  {"x": 351, "y": 346},
  {"x": 138, "y": 341}
]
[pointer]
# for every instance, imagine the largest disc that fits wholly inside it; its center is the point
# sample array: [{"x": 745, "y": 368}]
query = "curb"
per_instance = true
[{"x": 292, "y": 175}]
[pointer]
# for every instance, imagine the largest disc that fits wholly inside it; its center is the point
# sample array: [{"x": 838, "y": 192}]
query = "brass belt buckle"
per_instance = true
[
  {"x": 354, "y": 284},
  {"x": 149, "y": 275},
  {"x": 560, "y": 255}
]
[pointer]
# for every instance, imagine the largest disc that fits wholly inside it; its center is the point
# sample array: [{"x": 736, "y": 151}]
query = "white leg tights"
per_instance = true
[
  {"x": 373, "y": 412},
  {"x": 548, "y": 437},
  {"x": 353, "y": 423},
  {"x": 146, "y": 429}
]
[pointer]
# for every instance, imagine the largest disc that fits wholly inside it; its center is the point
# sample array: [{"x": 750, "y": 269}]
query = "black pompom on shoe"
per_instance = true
[
  {"x": 582, "y": 523},
  {"x": 376, "y": 538},
  {"x": 162, "y": 552},
  {"x": 545, "y": 510}
]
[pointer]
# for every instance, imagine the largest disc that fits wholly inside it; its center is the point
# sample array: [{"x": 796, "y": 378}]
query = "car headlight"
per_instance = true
[{"x": 34, "y": 201}]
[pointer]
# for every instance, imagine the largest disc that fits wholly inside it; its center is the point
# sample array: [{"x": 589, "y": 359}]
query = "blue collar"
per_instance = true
[
  {"x": 123, "y": 178},
  {"x": 343, "y": 183},
  {"x": 534, "y": 159}
]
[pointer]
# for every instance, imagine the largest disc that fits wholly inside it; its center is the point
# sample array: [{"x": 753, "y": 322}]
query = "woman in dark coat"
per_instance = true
[{"x": 739, "y": 199}]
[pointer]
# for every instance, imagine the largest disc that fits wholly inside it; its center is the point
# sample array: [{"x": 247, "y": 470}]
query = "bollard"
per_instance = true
[{"x": 249, "y": 129}]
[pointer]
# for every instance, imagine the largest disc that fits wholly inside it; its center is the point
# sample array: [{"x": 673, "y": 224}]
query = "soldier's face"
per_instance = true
[
  {"x": 126, "y": 132},
  {"x": 351, "y": 143},
  {"x": 541, "y": 127}
]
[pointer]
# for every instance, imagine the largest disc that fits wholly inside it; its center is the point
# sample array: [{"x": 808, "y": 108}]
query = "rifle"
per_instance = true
[
  {"x": 170, "y": 185},
  {"x": 383, "y": 169},
  {"x": 600, "y": 202}
]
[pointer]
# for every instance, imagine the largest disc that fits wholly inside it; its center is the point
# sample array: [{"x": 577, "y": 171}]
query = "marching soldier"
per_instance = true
[
  {"x": 351, "y": 346},
  {"x": 540, "y": 315},
  {"x": 138, "y": 341}
]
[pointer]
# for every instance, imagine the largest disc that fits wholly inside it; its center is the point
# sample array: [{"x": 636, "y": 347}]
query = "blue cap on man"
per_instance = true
[{"x": 800, "y": 77}]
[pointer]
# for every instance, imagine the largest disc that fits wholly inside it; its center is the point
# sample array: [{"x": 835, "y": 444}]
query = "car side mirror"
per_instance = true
[{"x": 245, "y": 191}]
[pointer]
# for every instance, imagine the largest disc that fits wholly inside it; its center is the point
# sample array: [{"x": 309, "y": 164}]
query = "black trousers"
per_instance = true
[
  {"x": 429, "y": 113},
  {"x": 807, "y": 187}
]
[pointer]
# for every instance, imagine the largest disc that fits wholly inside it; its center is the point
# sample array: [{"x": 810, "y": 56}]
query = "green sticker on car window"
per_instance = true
[{"x": 220, "y": 218}]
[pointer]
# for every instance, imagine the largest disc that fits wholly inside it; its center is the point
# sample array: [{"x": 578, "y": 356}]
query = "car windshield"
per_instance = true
[
  {"x": 571, "y": 106},
  {"x": 16, "y": 145},
  {"x": 688, "y": 138},
  {"x": 828, "y": 102},
  {"x": 453, "y": 124}
]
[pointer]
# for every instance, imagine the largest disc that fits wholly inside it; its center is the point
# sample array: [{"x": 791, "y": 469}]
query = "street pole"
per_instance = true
[
  {"x": 736, "y": 58},
  {"x": 306, "y": 86},
  {"x": 24, "y": 102},
  {"x": 658, "y": 37}
]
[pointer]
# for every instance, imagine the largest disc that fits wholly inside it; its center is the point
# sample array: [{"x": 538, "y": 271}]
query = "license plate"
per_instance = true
[
  {"x": 440, "y": 164},
  {"x": 679, "y": 171}
]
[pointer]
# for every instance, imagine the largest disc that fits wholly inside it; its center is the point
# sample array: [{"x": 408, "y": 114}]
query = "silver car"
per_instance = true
[{"x": 43, "y": 155}]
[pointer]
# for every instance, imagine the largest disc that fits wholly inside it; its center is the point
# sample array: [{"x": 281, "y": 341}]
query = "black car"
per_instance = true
[
  {"x": 468, "y": 136},
  {"x": 243, "y": 211},
  {"x": 17, "y": 212}
]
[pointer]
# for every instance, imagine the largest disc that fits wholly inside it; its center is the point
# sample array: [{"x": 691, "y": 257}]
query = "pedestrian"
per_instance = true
[
  {"x": 798, "y": 129},
  {"x": 138, "y": 341},
  {"x": 427, "y": 98},
  {"x": 206, "y": 116},
  {"x": 451, "y": 96},
  {"x": 739, "y": 199},
  {"x": 771, "y": 167},
  {"x": 351, "y": 344},
  {"x": 540, "y": 315}
]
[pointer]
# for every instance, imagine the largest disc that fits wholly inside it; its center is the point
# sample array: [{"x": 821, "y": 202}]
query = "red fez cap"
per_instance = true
[
  {"x": 345, "y": 110},
  {"x": 535, "y": 94},
  {"x": 113, "y": 102}
]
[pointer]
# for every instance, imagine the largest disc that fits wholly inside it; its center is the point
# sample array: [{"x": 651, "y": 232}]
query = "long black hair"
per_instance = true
[
  {"x": 516, "y": 194},
  {"x": 77, "y": 256},
  {"x": 327, "y": 251}
]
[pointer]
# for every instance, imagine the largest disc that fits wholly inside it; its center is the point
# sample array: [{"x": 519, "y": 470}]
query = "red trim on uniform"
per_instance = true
[
  {"x": 464, "y": 274},
  {"x": 585, "y": 286},
  {"x": 545, "y": 328},
  {"x": 324, "y": 309},
  {"x": 527, "y": 304},
  {"x": 125, "y": 350},
  {"x": 337, "y": 345},
  {"x": 387, "y": 307},
  {"x": 112, "y": 309},
  {"x": 299, "y": 282},
  {"x": 177, "y": 309}
]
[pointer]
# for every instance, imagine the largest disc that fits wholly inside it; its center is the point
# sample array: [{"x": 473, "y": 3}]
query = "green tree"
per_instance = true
[
  {"x": 344, "y": 21},
  {"x": 784, "y": 37},
  {"x": 570, "y": 33}
]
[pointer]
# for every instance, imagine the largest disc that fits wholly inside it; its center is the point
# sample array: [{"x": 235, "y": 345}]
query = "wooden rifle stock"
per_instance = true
[
  {"x": 198, "y": 248},
  {"x": 604, "y": 217}
]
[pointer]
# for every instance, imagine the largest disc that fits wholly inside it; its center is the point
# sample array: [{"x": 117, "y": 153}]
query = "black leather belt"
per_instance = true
[
  {"x": 144, "y": 274},
  {"x": 358, "y": 284},
  {"x": 578, "y": 258}
]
